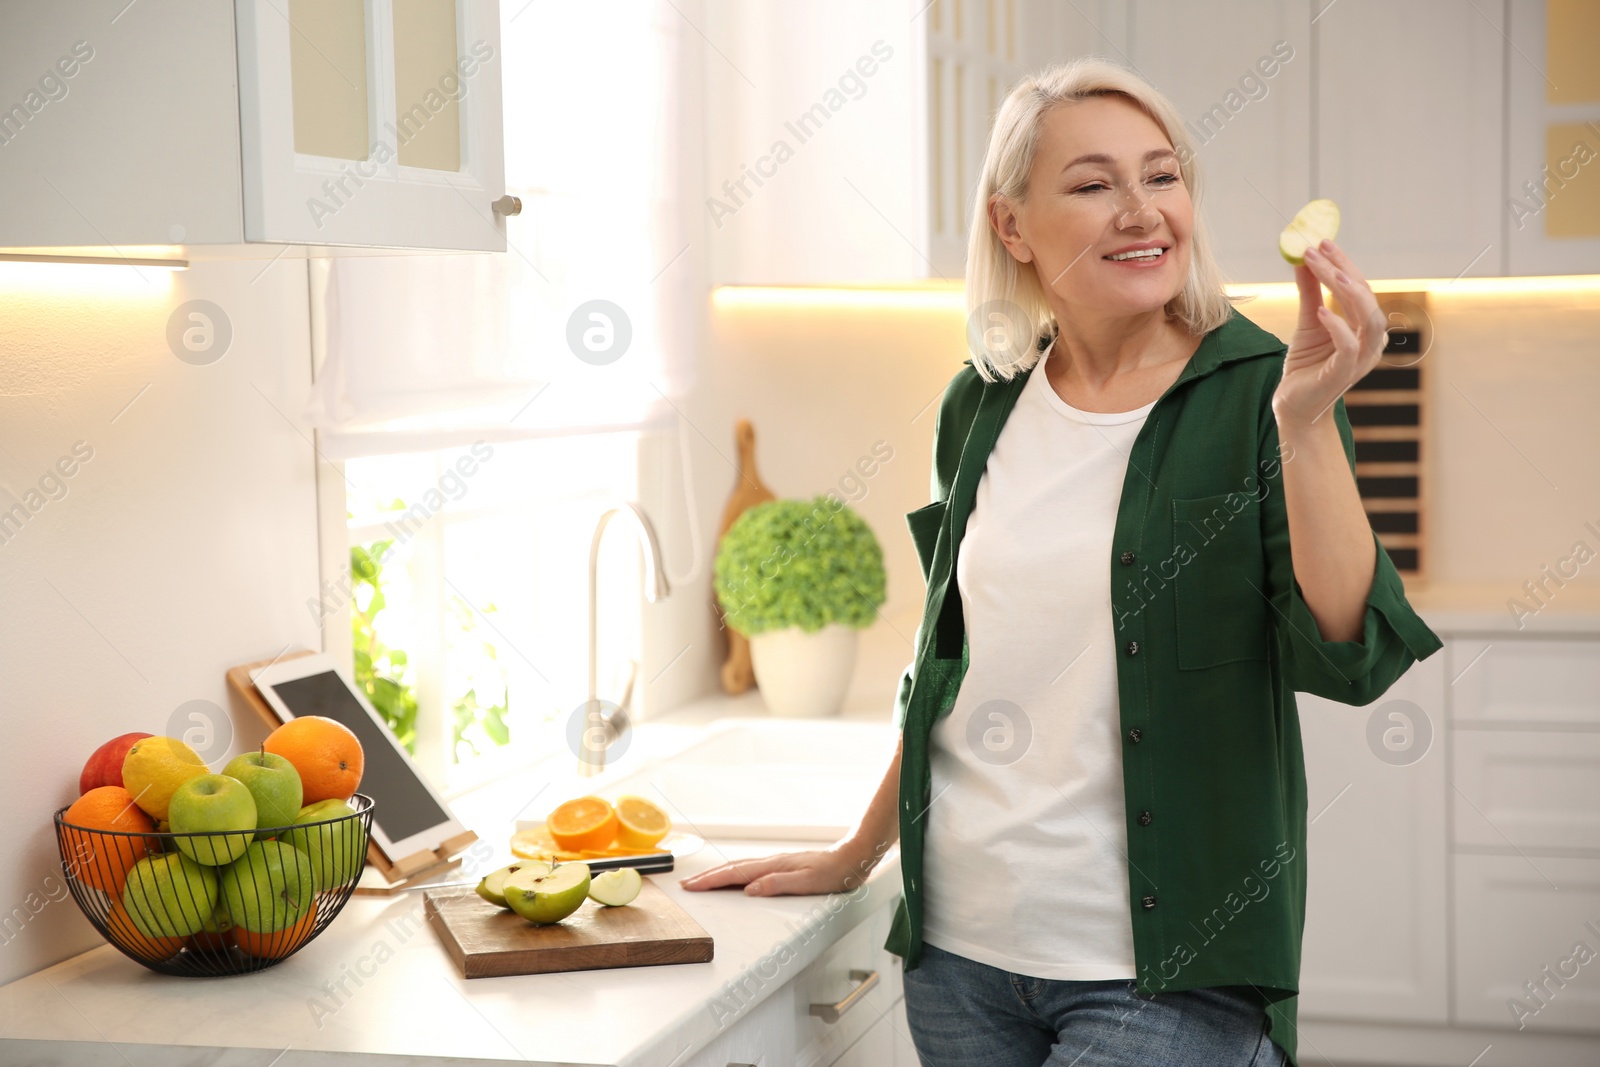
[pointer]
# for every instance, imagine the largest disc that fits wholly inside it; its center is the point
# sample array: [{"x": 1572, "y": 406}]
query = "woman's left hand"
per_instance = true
[{"x": 1328, "y": 353}]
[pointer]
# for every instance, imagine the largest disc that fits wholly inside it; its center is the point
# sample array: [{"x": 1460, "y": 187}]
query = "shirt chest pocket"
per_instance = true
[
  {"x": 925, "y": 523},
  {"x": 1220, "y": 589}
]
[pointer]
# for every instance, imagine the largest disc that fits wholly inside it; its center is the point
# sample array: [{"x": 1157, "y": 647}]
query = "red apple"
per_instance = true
[{"x": 105, "y": 766}]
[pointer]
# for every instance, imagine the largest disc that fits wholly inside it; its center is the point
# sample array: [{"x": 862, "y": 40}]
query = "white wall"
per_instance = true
[{"x": 185, "y": 545}]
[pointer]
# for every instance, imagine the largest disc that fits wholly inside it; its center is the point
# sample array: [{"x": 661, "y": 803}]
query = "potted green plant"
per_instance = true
[{"x": 799, "y": 578}]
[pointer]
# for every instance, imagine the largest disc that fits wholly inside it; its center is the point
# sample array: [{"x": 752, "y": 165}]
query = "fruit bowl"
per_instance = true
[{"x": 219, "y": 902}]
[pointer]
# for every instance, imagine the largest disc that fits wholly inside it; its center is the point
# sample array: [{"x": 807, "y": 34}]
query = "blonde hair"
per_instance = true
[{"x": 997, "y": 281}]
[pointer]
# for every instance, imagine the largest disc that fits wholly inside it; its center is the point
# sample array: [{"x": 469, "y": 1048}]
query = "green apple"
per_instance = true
[
  {"x": 274, "y": 783},
  {"x": 169, "y": 895},
  {"x": 1311, "y": 224},
  {"x": 206, "y": 804},
  {"x": 216, "y": 933},
  {"x": 268, "y": 888},
  {"x": 615, "y": 887},
  {"x": 547, "y": 896},
  {"x": 492, "y": 886},
  {"x": 336, "y": 850}
]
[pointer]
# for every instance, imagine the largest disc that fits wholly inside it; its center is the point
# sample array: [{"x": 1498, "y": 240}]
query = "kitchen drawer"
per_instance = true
[
  {"x": 828, "y": 981},
  {"x": 1515, "y": 917},
  {"x": 762, "y": 1037},
  {"x": 887, "y": 1043},
  {"x": 1525, "y": 680},
  {"x": 1532, "y": 789}
]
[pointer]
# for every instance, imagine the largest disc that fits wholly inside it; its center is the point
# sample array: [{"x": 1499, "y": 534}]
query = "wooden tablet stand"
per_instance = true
[{"x": 402, "y": 873}]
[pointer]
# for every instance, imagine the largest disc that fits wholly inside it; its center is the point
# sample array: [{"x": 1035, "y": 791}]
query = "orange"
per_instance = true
[
  {"x": 101, "y": 860},
  {"x": 325, "y": 752},
  {"x": 640, "y": 823},
  {"x": 278, "y": 944},
  {"x": 587, "y": 822},
  {"x": 126, "y": 935},
  {"x": 153, "y": 770}
]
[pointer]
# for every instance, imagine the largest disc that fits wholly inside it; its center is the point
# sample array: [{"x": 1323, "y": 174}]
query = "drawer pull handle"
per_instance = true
[{"x": 830, "y": 1013}]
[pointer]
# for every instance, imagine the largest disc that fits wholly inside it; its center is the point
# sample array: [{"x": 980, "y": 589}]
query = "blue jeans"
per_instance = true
[{"x": 967, "y": 1014}]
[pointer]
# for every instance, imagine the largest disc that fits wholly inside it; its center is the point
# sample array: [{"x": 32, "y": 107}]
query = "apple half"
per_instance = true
[
  {"x": 1311, "y": 225},
  {"x": 547, "y": 896},
  {"x": 492, "y": 886}
]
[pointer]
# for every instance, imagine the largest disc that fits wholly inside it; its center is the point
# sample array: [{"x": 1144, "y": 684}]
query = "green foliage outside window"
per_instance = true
[{"x": 380, "y": 670}]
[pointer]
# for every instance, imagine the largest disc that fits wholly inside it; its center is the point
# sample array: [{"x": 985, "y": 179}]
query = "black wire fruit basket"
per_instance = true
[{"x": 219, "y": 902}]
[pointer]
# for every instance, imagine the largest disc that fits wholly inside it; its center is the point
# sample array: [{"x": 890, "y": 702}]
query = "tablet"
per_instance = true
[{"x": 408, "y": 815}]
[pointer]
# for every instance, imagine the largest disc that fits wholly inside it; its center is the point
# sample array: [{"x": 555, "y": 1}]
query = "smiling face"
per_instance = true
[{"x": 1128, "y": 193}]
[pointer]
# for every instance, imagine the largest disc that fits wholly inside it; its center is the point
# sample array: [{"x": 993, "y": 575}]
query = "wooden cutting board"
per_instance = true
[{"x": 490, "y": 942}]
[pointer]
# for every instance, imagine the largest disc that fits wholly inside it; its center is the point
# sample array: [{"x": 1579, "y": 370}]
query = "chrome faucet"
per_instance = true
[{"x": 603, "y": 720}]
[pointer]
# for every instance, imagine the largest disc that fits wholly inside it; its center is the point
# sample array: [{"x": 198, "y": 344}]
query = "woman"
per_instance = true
[{"x": 1099, "y": 788}]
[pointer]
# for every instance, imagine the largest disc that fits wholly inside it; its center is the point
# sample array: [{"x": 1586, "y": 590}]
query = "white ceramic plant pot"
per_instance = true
[{"x": 804, "y": 675}]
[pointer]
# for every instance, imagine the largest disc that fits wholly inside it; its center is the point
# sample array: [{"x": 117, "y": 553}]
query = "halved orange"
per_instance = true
[
  {"x": 587, "y": 822},
  {"x": 640, "y": 823}
]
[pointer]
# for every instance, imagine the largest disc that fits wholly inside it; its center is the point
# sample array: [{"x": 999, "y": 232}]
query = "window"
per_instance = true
[{"x": 481, "y": 557}]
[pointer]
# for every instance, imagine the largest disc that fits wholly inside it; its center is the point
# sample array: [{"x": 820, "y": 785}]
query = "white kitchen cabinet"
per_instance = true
[
  {"x": 856, "y": 959},
  {"x": 1376, "y": 924},
  {"x": 1525, "y": 681},
  {"x": 1545, "y": 131},
  {"x": 356, "y": 124},
  {"x": 1520, "y": 920},
  {"x": 1528, "y": 789},
  {"x": 762, "y": 1037},
  {"x": 1239, "y": 73},
  {"x": 1408, "y": 108},
  {"x": 845, "y": 138},
  {"x": 883, "y": 1045},
  {"x": 779, "y": 1026}
]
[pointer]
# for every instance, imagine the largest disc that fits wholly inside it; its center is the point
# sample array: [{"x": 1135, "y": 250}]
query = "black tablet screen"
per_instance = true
[{"x": 403, "y": 806}]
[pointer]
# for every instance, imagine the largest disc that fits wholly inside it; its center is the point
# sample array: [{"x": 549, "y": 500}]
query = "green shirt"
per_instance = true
[{"x": 1213, "y": 640}]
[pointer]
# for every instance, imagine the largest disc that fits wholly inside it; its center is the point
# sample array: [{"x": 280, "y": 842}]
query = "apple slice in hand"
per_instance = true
[
  {"x": 1317, "y": 221},
  {"x": 492, "y": 886},
  {"x": 615, "y": 887},
  {"x": 547, "y": 896}
]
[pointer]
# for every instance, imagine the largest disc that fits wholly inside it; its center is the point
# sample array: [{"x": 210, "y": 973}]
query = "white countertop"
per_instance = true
[
  {"x": 377, "y": 983},
  {"x": 1455, "y": 609}
]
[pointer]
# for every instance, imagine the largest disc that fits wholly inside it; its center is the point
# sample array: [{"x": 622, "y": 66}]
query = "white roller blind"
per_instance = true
[{"x": 432, "y": 351}]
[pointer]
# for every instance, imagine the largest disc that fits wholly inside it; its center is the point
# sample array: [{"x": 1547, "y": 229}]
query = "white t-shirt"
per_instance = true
[{"x": 1025, "y": 864}]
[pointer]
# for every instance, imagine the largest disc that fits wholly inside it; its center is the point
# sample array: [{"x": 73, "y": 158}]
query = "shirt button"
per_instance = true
[
  {"x": 1126, "y": 558},
  {"x": 1144, "y": 818},
  {"x": 1135, "y": 735},
  {"x": 1133, "y": 648},
  {"x": 1148, "y": 902}
]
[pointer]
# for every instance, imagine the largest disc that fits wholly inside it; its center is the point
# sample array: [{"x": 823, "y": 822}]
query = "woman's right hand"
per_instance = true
[{"x": 831, "y": 870}]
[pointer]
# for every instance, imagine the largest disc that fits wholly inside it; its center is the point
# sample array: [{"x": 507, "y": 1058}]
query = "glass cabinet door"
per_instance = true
[{"x": 372, "y": 122}]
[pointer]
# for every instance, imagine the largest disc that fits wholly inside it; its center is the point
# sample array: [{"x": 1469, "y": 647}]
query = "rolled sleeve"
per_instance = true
[{"x": 1393, "y": 636}]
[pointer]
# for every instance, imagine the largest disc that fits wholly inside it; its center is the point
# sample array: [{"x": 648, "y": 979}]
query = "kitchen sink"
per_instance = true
[{"x": 775, "y": 779}]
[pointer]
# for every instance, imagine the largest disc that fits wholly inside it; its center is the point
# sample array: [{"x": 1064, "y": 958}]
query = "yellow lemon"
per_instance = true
[
  {"x": 640, "y": 822},
  {"x": 153, "y": 770}
]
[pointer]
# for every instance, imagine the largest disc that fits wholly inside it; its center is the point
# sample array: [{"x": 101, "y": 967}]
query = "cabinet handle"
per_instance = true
[
  {"x": 830, "y": 1013},
  {"x": 508, "y": 205}
]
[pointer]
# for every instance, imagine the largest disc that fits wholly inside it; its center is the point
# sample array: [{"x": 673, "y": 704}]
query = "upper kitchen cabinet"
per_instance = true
[
  {"x": 1407, "y": 119},
  {"x": 844, "y": 138},
  {"x": 1239, "y": 73},
  {"x": 1551, "y": 217},
  {"x": 331, "y": 124}
]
